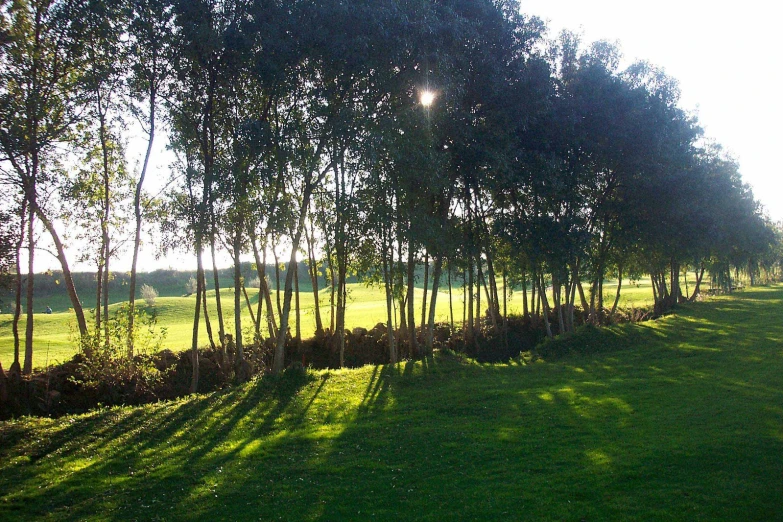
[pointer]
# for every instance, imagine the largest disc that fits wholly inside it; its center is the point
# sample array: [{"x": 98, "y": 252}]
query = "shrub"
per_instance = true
[
  {"x": 191, "y": 286},
  {"x": 109, "y": 365},
  {"x": 149, "y": 294}
]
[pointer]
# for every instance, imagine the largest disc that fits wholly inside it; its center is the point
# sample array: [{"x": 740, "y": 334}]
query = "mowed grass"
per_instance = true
[
  {"x": 53, "y": 339},
  {"x": 676, "y": 419}
]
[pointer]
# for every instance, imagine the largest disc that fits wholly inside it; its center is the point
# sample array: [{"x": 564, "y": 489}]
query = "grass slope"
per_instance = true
[
  {"x": 679, "y": 419},
  {"x": 366, "y": 307}
]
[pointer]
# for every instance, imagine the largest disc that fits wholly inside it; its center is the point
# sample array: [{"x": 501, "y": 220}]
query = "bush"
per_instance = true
[
  {"x": 149, "y": 294},
  {"x": 110, "y": 365},
  {"x": 191, "y": 286}
]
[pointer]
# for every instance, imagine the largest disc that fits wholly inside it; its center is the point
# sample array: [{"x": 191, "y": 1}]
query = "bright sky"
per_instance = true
[{"x": 726, "y": 56}]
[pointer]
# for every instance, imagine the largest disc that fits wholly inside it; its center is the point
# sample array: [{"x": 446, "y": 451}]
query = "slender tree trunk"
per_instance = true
[
  {"x": 28, "y": 341},
  {"x": 137, "y": 235},
  {"x": 544, "y": 304},
  {"x": 478, "y": 315},
  {"x": 436, "y": 273},
  {"x": 387, "y": 279},
  {"x": 277, "y": 280},
  {"x": 67, "y": 276},
  {"x": 525, "y": 311},
  {"x": 488, "y": 294},
  {"x": 491, "y": 281},
  {"x": 105, "y": 250},
  {"x": 263, "y": 290},
  {"x": 556, "y": 291},
  {"x": 319, "y": 327},
  {"x": 414, "y": 345},
  {"x": 238, "y": 287},
  {"x": 619, "y": 286},
  {"x": 247, "y": 303},
  {"x": 534, "y": 303},
  {"x": 469, "y": 331},
  {"x": 572, "y": 303},
  {"x": 424, "y": 289},
  {"x": 194, "y": 339},
  {"x": 333, "y": 290},
  {"x": 451, "y": 301},
  {"x": 216, "y": 279},
  {"x": 98, "y": 293},
  {"x": 203, "y": 298},
  {"x": 279, "y": 358},
  {"x": 505, "y": 303},
  {"x": 341, "y": 295},
  {"x": 16, "y": 367},
  {"x": 296, "y": 304},
  {"x": 698, "y": 283}
]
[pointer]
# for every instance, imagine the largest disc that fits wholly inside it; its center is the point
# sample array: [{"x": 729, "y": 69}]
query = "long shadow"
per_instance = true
[{"x": 431, "y": 435}]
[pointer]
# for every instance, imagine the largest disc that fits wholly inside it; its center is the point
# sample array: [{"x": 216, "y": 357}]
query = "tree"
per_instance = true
[
  {"x": 150, "y": 31},
  {"x": 40, "y": 72}
]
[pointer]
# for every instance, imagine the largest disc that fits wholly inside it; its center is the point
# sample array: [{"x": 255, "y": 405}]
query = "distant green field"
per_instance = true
[
  {"x": 366, "y": 307},
  {"x": 680, "y": 418}
]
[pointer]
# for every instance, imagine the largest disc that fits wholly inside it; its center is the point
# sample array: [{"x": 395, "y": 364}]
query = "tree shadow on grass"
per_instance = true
[{"x": 418, "y": 438}]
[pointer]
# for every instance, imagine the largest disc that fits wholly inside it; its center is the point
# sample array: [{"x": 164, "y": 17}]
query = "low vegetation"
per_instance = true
[{"x": 676, "y": 418}]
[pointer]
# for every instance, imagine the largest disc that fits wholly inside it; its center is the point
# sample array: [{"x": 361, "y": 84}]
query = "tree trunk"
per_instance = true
[
  {"x": 451, "y": 302},
  {"x": 387, "y": 279},
  {"x": 194, "y": 339},
  {"x": 279, "y": 357},
  {"x": 544, "y": 304},
  {"x": 203, "y": 298},
  {"x": 16, "y": 367},
  {"x": 414, "y": 345},
  {"x": 469, "y": 331},
  {"x": 619, "y": 286},
  {"x": 28, "y": 340},
  {"x": 238, "y": 287},
  {"x": 424, "y": 289},
  {"x": 313, "y": 269},
  {"x": 247, "y": 303},
  {"x": 263, "y": 290},
  {"x": 98, "y": 293},
  {"x": 137, "y": 235},
  {"x": 67, "y": 276},
  {"x": 296, "y": 304},
  {"x": 698, "y": 284},
  {"x": 436, "y": 273},
  {"x": 277, "y": 280},
  {"x": 216, "y": 279}
]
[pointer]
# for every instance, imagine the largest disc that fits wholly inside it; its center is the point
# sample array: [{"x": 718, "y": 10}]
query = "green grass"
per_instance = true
[
  {"x": 366, "y": 307},
  {"x": 676, "y": 419}
]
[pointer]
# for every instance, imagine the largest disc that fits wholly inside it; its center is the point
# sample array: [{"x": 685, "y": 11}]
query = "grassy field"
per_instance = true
[
  {"x": 53, "y": 341},
  {"x": 675, "y": 419}
]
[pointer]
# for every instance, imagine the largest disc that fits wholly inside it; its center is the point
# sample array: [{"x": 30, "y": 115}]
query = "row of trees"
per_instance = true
[{"x": 299, "y": 127}]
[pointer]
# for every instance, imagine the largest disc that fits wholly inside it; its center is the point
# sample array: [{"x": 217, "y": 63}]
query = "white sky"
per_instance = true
[{"x": 726, "y": 56}]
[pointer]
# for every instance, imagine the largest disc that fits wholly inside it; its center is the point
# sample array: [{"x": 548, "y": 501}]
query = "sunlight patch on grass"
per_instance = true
[
  {"x": 546, "y": 396},
  {"x": 598, "y": 458}
]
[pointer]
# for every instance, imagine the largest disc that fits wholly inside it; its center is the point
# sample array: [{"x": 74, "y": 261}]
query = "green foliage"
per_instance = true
[{"x": 106, "y": 362}]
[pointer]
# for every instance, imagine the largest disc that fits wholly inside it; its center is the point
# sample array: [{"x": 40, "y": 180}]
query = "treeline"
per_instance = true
[
  {"x": 368, "y": 136},
  {"x": 169, "y": 283}
]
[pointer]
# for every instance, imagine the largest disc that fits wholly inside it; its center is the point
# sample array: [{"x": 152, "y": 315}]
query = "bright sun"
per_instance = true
[{"x": 427, "y": 97}]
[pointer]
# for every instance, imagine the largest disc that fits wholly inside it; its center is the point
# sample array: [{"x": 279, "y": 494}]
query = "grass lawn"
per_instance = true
[
  {"x": 676, "y": 419},
  {"x": 366, "y": 307}
]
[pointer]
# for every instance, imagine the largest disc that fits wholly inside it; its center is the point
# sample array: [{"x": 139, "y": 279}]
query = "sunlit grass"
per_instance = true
[
  {"x": 679, "y": 418},
  {"x": 53, "y": 341}
]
